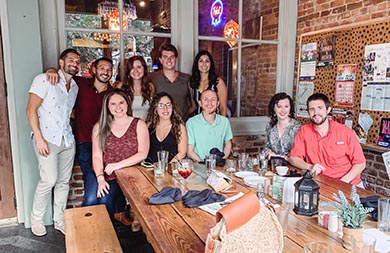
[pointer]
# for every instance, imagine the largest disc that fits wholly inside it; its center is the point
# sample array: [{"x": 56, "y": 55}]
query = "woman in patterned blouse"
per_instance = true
[{"x": 282, "y": 128}]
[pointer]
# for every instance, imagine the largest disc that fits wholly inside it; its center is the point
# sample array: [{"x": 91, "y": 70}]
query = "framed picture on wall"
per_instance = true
[
  {"x": 384, "y": 133},
  {"x": 326, "y": 52}
]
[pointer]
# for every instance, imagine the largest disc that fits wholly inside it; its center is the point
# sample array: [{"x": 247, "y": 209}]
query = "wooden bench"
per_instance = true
[{"x": 89, "y": 229}]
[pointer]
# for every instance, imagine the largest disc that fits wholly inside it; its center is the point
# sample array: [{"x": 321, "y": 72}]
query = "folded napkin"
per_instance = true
[
  {"x": 167, "y": 195},
  {"x": 219, "y": 160},
  {"x": 371, "y": 201},
  {"x": 199, "y": 198}
]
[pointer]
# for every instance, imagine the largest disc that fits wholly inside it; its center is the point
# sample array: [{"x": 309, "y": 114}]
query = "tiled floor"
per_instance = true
[{"x": 17, "y": 239}]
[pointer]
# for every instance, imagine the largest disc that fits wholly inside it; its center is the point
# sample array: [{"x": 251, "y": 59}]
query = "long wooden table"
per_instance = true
[{"x": 176, "y": 228}]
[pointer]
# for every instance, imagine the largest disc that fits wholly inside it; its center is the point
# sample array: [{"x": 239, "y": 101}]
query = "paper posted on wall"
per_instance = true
[
  {"x": 305, "y": 89},
  {"x": 386, "y": 161},
  {"x": 364, "y": 123}
]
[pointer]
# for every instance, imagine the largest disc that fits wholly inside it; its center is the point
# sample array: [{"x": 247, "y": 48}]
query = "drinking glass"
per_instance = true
[
  {"x": 384, "y": 214},
  {"x": 159, "y": 168},
  {"x": 174, "y": 166},
  {"x": 282, "y": 214},
  {"x": 263, "y": 163},
  {"x": 363, "y": 244},
  {"x": 231, "y": 166},
  {"x": 316, "y": 247},
  {"x": 210, "y": 162},
  {"x": 243, "y": 160},
  {"x": 162, "y": 156},
  {"x": 185, "y": 168}
]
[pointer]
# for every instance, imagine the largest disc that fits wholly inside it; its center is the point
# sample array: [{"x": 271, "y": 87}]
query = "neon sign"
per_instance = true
[{"x": 216, "y": 11}]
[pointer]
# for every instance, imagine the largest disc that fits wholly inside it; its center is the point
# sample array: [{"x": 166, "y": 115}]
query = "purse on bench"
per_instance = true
[{"x": 244, "y": 226}]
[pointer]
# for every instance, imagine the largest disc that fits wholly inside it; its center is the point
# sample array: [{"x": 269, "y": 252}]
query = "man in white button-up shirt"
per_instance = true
[{"x": 48, "y": 112}]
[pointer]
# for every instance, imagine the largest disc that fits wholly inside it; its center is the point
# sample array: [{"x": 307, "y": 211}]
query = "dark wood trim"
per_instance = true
[{"x": 7, "y": 190}]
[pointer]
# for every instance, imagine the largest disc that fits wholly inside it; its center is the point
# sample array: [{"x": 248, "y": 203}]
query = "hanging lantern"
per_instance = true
[
  {"x": 231, "y": 32},
  {"x": 306, "y": 196},
  {"x": 113, "y": 21}
]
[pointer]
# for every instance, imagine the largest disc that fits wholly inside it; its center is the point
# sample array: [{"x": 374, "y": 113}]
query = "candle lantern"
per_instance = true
[{"x": 306, "y": 196}]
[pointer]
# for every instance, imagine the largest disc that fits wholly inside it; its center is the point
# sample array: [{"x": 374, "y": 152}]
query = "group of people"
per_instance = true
[
  {"x": 123, "y": 124},
  {"x": 119, "y": 125},
  {"x": 322, "y": 146}
]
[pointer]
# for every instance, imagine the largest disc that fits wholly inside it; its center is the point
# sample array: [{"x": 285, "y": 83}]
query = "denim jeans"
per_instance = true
[
  {"x": 114, "y": 200},
  {"x": 84, "y": 156}
]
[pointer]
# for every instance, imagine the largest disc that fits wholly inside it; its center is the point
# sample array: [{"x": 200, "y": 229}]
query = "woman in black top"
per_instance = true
[
  {"x": 204, "y": 78},
  {"x": 166, "y": 128}
]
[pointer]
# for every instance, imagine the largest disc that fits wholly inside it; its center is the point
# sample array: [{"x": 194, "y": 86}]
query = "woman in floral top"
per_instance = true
[{"x": 282, "y": 128}]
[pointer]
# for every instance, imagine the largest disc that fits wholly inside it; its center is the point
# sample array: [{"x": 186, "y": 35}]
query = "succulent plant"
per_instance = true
[{"x": 353, "y": 214}]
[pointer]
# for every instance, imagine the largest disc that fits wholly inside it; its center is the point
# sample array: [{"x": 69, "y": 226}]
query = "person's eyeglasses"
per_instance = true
[{"x": 162, "y": 105}]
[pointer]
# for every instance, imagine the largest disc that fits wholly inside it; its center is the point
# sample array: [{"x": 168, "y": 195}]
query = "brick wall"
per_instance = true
[
  {"x": 375, "y": 173},
  {"x": 314, "y": 15},
  {"x": 76, "y": 191}
]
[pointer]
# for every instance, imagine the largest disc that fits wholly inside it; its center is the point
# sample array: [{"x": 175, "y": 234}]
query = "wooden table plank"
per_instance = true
[{"x": 165, "y": 229}]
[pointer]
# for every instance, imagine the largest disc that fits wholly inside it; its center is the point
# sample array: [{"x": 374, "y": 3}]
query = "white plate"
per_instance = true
[
  {"x": 242, "y": 174},
  {"x": 255, "y": 180}
]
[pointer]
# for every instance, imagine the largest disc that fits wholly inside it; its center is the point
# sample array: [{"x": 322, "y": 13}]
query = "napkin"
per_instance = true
[
  {"x": 219, "y": 161},
  {"x": 213, "y": 208},
  {"x": 167, "y": 195},
  {"x": 371, "y": 201},
  {"x": 382, "y": 240},
  {"x": 198, "y": 198}
]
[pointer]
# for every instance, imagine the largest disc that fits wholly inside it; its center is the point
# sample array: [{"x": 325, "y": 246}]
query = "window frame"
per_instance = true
[{"x": 122, "y": 33}]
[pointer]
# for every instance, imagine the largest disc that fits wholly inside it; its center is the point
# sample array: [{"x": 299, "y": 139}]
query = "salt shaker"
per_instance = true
[{"x": 333, "y": 223}]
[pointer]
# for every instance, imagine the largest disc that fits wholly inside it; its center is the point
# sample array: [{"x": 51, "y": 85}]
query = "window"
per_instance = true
[
  {"x": 244, "y": 48},
  {"x": 117, "y": 29}
]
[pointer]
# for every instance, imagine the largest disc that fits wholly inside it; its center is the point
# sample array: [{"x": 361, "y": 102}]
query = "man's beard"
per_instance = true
[
  {"x": 70, "y": 71},
  {"x": 318, "y": 123}
]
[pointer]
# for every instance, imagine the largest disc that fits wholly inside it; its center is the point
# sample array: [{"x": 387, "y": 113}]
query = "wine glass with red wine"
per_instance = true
[{"x": 185, "y": 168}]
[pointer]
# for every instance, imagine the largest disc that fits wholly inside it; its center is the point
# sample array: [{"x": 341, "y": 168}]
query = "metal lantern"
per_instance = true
[{"x": 306, "y": 196}]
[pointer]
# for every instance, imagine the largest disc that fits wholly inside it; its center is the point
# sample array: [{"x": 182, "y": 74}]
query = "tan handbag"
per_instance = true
[{"x": 245, "y": 227}]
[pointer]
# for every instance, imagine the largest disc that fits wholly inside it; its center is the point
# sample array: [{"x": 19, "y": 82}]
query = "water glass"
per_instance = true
[
  {"x": 316, "y": 247},
  {"x": 243, "y": 160},
  {"x": 363, "y": 244},
  {"x": 282, "y": 214},
  {"x": 162, "y": 156},
  {"x": 159, "y": 169},
  {"x": 174, "y": 167},
  {"x": 210, "y": 162},
  {"x": 384, "y": 214},
  {"x": 231, "y": 166}
]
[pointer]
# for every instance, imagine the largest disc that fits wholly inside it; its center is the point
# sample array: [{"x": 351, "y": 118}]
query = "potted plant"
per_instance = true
[{"x": 352, "y": 215}]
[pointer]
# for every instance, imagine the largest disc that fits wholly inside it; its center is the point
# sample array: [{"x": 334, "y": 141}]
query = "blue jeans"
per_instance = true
[
  {"x": 114, "y": 200},
  {"x": 84, "y": 156}
]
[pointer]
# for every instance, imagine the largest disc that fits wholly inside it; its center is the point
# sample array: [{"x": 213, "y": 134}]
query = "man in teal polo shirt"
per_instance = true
[{"x": 208, "y": 129}]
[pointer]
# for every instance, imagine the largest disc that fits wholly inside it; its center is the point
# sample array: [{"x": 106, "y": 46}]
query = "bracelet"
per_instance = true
[{"x": 100, "y": 175}]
